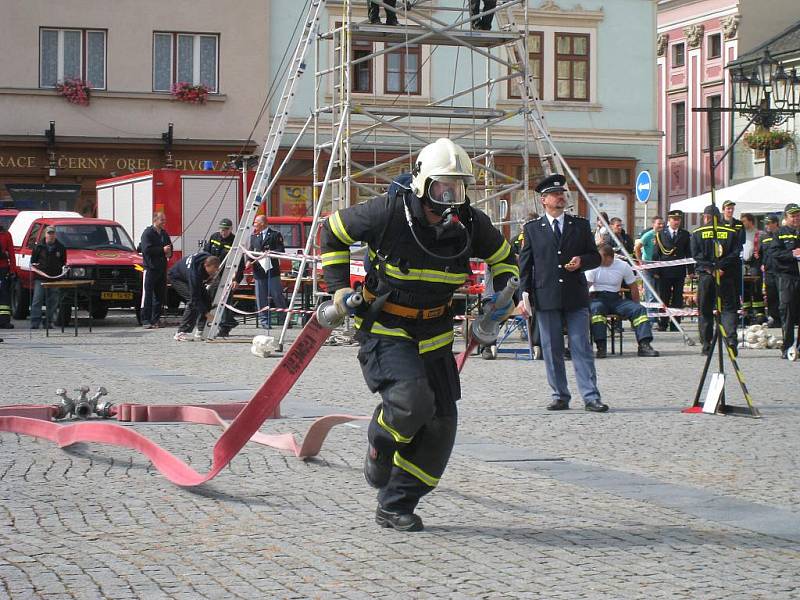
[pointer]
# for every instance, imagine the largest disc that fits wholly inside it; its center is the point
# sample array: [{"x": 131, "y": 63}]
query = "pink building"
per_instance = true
[{"x": 696, "y": 40}]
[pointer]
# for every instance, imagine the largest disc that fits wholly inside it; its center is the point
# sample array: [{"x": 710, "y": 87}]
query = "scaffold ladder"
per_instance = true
[{"x": 263, "y": 181}]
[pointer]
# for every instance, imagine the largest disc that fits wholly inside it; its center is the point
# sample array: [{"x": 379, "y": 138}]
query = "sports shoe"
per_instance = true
[
  {"x": 602, "y": 351},
  {"x": 398, "y": 521},
  {"x": 183, "y": 337},
  {"x": 377, "y": 467},
  {"x": 197, "y": 335}
]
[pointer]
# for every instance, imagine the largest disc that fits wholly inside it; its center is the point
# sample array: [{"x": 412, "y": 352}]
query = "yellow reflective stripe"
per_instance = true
[
  {"x": 787, "y": 236},
  {"x": 336, "y": 258},
  {"x": 430, "y": 275},
  {"x": 398, "y": 437},
  {"x": 502, "y": 252},
  {"x": 217, "y": 243},
  {"x": 504, "y": 268},
  {"x": 339, "y": 231},
  {"x": 598, "y": 319},
  {"x": 639, "y": 320},
  {"x": 436, "y": 342},
  {"x": 379, "y": 329},
  {"x": 414, "y": 470}
]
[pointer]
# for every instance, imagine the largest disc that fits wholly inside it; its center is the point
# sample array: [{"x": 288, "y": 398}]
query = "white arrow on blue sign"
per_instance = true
[{"x": 643, "y": 185}]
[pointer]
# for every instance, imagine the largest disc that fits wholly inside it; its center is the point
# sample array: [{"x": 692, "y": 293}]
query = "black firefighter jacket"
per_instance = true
[
  {"x": 541, "y": 263},
  {"x": 192, "y": 272},
  {"x": 784, "y": 241},
  {"x": 400, "y": 268},
  {"x": 727, "y": 247}
]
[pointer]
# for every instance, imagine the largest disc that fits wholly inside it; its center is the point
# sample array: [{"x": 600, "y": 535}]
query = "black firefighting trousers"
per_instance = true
[
  {"x": 789, "y": 292},
  {"x": 707, "y": 304},
  {"x": 416, "y": 421},
  {"x": 5, "y": 297}
]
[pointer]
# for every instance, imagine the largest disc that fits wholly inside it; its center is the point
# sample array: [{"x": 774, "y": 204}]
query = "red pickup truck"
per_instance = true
[{"x": 97, "y": 249}]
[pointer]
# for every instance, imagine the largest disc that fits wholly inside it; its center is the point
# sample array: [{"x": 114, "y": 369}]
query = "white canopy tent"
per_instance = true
[{"x": 763, "y": 195}]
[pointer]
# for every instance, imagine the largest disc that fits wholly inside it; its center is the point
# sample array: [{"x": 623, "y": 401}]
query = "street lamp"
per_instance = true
[{"x": 769, "y": 96}]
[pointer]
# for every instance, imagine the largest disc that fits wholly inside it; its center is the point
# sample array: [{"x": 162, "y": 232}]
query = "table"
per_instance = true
[{"x": 75, "y": 285}]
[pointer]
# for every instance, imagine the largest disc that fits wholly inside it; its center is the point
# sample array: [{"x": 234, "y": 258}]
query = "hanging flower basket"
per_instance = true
[
  {"x": 76, "y": 91},
  {"x": 768, "y": 139},
  {"x": 192, "y": 94}
]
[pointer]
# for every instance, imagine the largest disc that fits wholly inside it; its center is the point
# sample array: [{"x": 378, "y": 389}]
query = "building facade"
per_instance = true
[
  {"x": 696, "y": 42},
  {"x": 130, "y": 57},
  {"x": 599, "y": 96}
]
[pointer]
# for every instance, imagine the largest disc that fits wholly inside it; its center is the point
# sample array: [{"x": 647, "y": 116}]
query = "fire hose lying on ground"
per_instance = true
[{"x": 247, "y": 417}]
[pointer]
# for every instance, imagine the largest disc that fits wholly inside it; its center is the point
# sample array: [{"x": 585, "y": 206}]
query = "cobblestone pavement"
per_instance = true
[{"x": 641, "y": 502}]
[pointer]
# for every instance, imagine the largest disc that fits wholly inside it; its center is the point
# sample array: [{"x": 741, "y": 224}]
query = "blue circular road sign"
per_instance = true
[{"x": 643, "y": 185}]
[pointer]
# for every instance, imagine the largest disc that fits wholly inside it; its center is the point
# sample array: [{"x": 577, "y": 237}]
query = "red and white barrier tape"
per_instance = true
[
  {"x": 282, "y": 255},
  {"x": 239, "y": 311},
  {"x": 658, "y": 264}
]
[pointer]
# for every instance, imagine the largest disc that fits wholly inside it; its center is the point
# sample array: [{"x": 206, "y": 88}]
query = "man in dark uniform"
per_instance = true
[
  {"x": 48, "y": 257},
  {"x": 373, "y": 12},
  {"x": 156, "y": 248},
  {"x": 189, "y": 277},
  {"x": 730, "y": 221},
  {"x": 556, "y": 251},
  {"x": 219, "y": 244},
  {"x": 269, "y": 291},
  {"x": 721, "y": 251},
  {"x": 420, "y": 237},
  {"x": 485, "y": 22},
  {"x": 7, "y": 266},
  {"x": 671, "y": 243},
  {"x": 785, "y": 256},
  {"x": 771, "y": 224}
]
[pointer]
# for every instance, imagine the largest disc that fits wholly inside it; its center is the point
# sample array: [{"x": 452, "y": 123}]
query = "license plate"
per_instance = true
[{"x": 116, "y": 295}]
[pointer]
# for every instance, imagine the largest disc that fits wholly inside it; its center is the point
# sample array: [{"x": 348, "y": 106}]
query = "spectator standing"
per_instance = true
[
  {"x": 616, "y": 226},
  {"x": 269, "y": 291},
  {"x": 672, "y": 243},
  {"x": 643, "y": 249},
  {"x": 557, "y": 249},
  {"x": 752, "y": 291},
  {"x": 156, "y": 249},
  {"x": 785, "y": 256},
  {"x": 48, "y": 257},
  {"x": 7, "y": 265},
  {"x": 605, "y": 286},
  {"x": 189, "y": 278},
  {"x": 771, "y": 225},
  {"x": 722, "y": 250},
  {"x": 600, "y": 229}
]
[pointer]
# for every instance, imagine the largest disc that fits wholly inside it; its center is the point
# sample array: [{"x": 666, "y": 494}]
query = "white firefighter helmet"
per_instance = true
[{"x": 446, "y": 163}]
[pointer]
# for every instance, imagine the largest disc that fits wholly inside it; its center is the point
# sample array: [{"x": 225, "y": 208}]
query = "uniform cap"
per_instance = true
[
  {"x": 50, "y": 229},
  {"x": 772, "y": 218},
  {"x": 226, "y": 223},
  {"x": 791, "y": 208},
  {"x": 728, "y": 203},
  {"x": 711, "y": 210},
  {"x": 552, "y": 183},
  {"x": 675, "y": 213}
]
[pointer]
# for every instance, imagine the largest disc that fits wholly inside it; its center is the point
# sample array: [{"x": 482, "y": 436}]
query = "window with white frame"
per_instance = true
[
  {"x": 403, "y": 71},
  {"x": 72, "y": 54},
  {"x": 185, "y": 58}
]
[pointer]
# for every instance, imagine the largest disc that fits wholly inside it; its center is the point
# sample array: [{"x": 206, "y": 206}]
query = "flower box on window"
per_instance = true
[
  {"x": 76, "y": 91},
  {"x": 184, "y": 91}
]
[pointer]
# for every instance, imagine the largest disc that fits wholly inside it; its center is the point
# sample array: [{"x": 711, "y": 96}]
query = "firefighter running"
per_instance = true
[{"x": 420, "y": 237}]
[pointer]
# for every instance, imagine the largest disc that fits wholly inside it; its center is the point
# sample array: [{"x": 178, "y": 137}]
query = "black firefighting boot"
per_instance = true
[
  {"x": 474, "y": 9},
  {"x": 645, "y": 349},
  {"x": 377, "y": 467},
  {"x": 602, "y": 350},
  {"x": 373, "y": 13},
  {"x": 398, "y": 521},
  {"x": 391, "y": 17}
]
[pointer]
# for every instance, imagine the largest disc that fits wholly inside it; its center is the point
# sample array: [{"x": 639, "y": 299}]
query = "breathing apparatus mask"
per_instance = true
[{"x": 444, "y": 196}]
